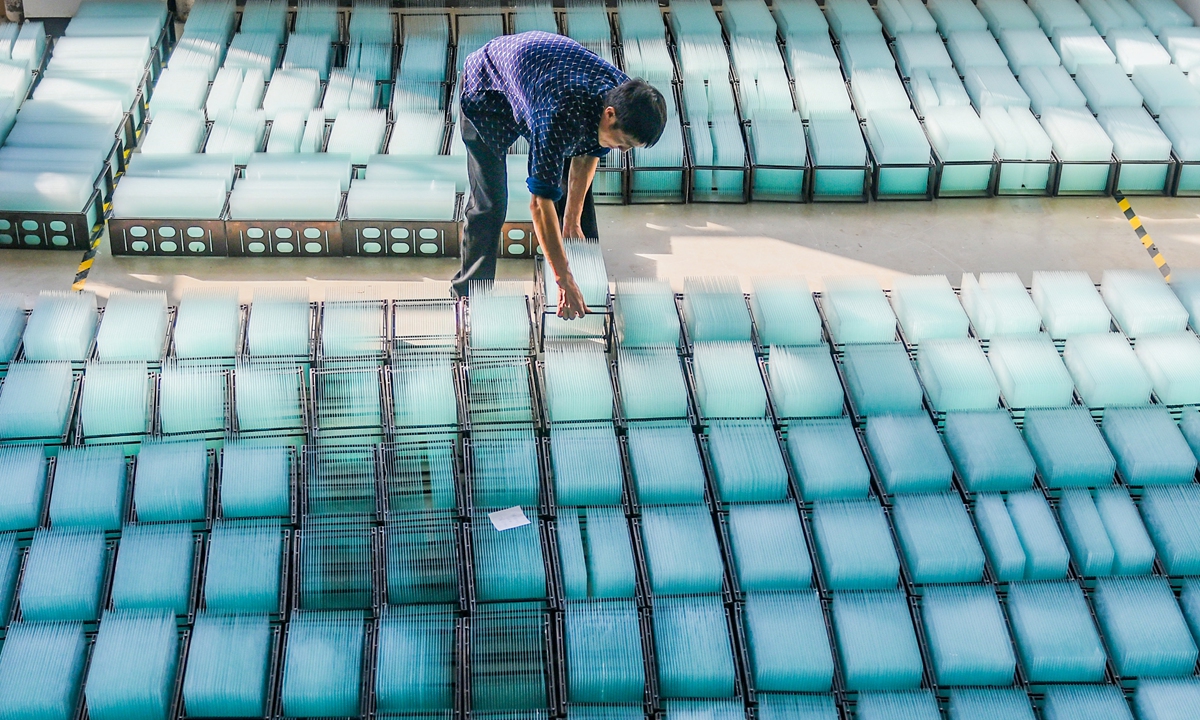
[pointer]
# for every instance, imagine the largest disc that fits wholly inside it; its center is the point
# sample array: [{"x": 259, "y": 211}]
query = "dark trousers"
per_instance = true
[{"x": 487, "y": 206}]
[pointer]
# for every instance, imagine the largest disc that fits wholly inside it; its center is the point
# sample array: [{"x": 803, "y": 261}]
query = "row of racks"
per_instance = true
[
  {"x": 617, "y": 181},
  {"x": 555, "y": 604}
]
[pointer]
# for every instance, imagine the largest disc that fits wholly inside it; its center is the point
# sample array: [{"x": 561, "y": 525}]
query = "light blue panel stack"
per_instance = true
[
  {"x": 341, "y": 480},
  {"x": 585, "y": 461},
  {"x": 729, "y": 383},
  {"x": 665, "y": 463},
  {"x": 804, "y": 382},
  {"x": 508, "y": 657},
  {"x": 908, "y": 454},
  {"x": 911, "y": 705},
  {"x": 505, "y": 468},
  {"x": 36, "y": 400},
  {"x": 798, "y": 707},
  {"x": 41, "y": 669},
  {"x": 116, "y": 399},
  {"x": 255, "y": 480},
  {"x": 1172, "y": 360},
  {"x": 171, "y": 482},
  {"x": 1068, "y": 448},
  {"x": 881, "y": 380},
  {"x": 644, "y": 313},
  {"x": 499, "y": 317},
  {"x": 348, "y": 399},
  {"x": 1069, "y": 303},
  {"x": 322, "y": 664},
  {"x": 1077, "y": 702},
  {"x": 1144, "y": 628},
  {"x": 509, "y": 565},
  {"x": 89, "y": 489},
  {"x": 1000, "y": 538},
  {"x": 876, "y": 642},
  {"x": 424, "y": 393},
  {"x": 191, "y": 397},
  {"x": 784, "y": 312},
  {"x": 133, "y": 666},
  {"x": 603, "y": 652},
  {"x": 415, "y": 660},
  {"x": 1084, "y": 530},
  {"x": 267, "y": 397},
  {"x": 1186, "y": 286},
  {"x": 957, "y": 376},
  {"x": 420, "y": 477},
  {"x": 498, "y": 391},
  {"x": 1055, "y": 635},
  {"x": 999, "y": 305},
  {"x": 1046, "y": 555},
  {"x": 578, "y": 386},
  {"x": 134, "y": 327},
  {"x": 12, "y": 325},
  {"x": 61, "y": 327},
  {"x": 787, "y": 642},
  {"x": 242, "y": 570},
  {"x": 827, "y": 459},
  {"x": 682, "y": 555},
  {"x": 1106, "y": 371},
  {"x": 63, "y": 576},
  {"x": 207, "y": 324},
  {"x": 715, "y": 310},
  {"x": 10, "y": 566},
  {"x": 1149, "y": 447},
  {"x": 927, "y": 307},
  {"x": 335, "y": 568},
  {"x": 938, "y": 541},
  {"x": 23, "y": 483},
  {"x": 595, "y": 553},
  {"x": 422, "y": 557},
  {"x": 1172, "y": 516},
  {"x": 990, "y": 704},
  {"x": 352, "y": 328},
  {"x": 854, "y": 545},
  {"x": 746, "y": 461},
  {"x": 769, "y": 548},
  {"x": 691, "y": 640},
  {"x": 857, "y": 311},
  {"x": 967, "y": 635},
  {"x": 1133, "y": 551},
  {"x": 1171, "y": 699},
  {"x": 1030, "y": 372},
  {"x": 988, "y": 451},
  {"x": 1142, "y": 303},
  {"x": 1189, "y": 425},
  {"x": 228, "y": 666},
  {"x": 651, "y": 383},
  {"x": 839, "y": 153},
  {"x": 154, "y": 568}
]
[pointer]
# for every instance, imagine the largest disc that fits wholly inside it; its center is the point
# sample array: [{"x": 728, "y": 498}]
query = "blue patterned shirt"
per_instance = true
[{"x": 547, "y": 88}]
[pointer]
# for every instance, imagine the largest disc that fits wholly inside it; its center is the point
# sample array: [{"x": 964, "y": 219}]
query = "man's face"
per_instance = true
[{"x": 610, "y": 136}]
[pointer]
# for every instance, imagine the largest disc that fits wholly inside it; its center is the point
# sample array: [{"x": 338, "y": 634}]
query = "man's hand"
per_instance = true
[
  {"x": 572, "y": 229},
  {"x": 571, "y": 304}
]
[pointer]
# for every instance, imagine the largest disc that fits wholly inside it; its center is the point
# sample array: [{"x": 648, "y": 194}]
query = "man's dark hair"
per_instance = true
[{"x": 641, "y": 110}]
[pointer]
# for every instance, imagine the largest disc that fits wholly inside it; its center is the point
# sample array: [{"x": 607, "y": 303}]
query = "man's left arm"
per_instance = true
[{"x": 579, "y": 179}]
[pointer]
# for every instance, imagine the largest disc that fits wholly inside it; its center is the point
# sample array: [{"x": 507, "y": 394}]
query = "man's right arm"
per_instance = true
[{"x": 571, "y": 304}]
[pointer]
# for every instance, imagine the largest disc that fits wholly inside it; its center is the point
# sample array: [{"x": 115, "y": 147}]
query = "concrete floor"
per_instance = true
[{"x": 673, "y": 242}]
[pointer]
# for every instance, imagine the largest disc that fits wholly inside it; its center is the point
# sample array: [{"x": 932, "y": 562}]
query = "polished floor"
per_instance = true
[{"x": 673, "y": 242}]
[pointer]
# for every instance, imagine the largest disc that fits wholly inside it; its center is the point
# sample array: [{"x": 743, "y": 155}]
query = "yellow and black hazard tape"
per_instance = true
[
  {"x": 1136, "y": 223},
  {"x": 85, "y": 266}
]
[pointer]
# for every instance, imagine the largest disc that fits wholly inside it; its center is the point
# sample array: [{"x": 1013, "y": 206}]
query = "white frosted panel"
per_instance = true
[
  {"x": 975, "y": 48},
  {"x": 1106, "y": 86},
  {"x": 1077, "y": 46},
  {"x": 1137, "y": 46},
  {"x": 1076, "y": 135},
  {"x": 1026, "y": 48},
  {"x": 990, "y": 86},
  {"x": 1165, "y": 86},
  {"x": 958, "y": 134}
]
